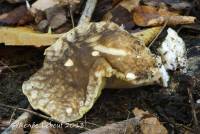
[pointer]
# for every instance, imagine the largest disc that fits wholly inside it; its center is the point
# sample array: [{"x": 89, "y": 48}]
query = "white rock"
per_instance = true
[{"x": 173, "y": 52}]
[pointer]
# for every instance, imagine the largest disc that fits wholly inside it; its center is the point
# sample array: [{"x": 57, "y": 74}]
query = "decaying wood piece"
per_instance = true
[
  {"x": 172, "y": 21},
  {"x": 152, "y": 16},
  {"x": 123, "y": 127},
  {"x": 18, "y": 124},
  {"x": 76, "y": 67},
  {"x": 88, "y": 11}
]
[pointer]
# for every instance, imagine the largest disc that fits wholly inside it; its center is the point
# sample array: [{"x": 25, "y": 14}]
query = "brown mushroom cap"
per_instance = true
[{"x": 76, "y": 67}]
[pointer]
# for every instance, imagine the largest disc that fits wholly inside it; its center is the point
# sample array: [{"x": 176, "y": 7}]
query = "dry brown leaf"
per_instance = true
[
  {"x": 44, "y": 4},
  {"x": 152, "y": 16},
  {"x": 56, "y": 16},
  {"x": 24, "y": 36},
  {"x": 18, "y": 16},
  {"x": 148, "y": 123},
  {"x": 122, "y": 13}
]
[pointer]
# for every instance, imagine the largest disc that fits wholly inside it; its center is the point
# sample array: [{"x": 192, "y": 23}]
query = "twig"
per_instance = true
[
  {"x": 11, "y": 117},
  {"x": 88, "y": 11},
  {"x": 71, "y": 15},
  {"x": 163, "y": 27},
  {"x": 43, "y": 116},
  {"x": 6, "y": 66}
]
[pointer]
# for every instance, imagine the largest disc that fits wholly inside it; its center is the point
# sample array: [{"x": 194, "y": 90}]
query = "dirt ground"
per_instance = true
[{"x": 172, "y": 108}]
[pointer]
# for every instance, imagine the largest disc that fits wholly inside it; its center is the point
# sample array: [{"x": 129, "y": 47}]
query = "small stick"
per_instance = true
[
  {"x": 6, "y": 66},
  {"x": 71, "y": 15},
  {"x": 163, "y": 27},
  {"x": 88, "y": 11},
  {"x": 11, "y": 117}
]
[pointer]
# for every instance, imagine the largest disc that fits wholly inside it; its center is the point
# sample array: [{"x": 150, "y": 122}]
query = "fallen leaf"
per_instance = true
[
  {"x": 18, "y": 16},
  {"x": 56, "y": 16},
  {"x": 152, "y": 16},
  {"x": 23, "y": 36},
  {"x": 44, "y": 4},
  {"x": 148, "y": 123},
  {"x": 122, "y": 13}
]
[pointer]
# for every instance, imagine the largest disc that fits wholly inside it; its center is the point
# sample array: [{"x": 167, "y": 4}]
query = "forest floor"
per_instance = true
[{"x": 173, "y": 108}]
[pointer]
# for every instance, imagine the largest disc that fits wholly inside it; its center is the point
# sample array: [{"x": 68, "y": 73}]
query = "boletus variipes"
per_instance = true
[{"x": 77, "y": 66}]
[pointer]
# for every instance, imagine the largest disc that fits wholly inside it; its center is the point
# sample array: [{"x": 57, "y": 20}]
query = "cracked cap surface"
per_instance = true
[{"x": 76, "y": 67}]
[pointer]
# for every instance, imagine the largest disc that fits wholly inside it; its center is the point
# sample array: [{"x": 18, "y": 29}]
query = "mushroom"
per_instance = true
[{"x": 76, "y": 68}]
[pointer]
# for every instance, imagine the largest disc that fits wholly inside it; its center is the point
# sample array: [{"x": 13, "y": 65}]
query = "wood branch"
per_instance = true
[
  {"x": 172, "y": 21},
  {"x": 126, "y": 126},
  {"x": 88, "y": 11},
  {"x": 18, "y": 124}
]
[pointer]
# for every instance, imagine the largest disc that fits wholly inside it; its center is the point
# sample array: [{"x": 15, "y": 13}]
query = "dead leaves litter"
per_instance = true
[
  {"x": 44, "y": 4},
  {"x": 18, "y": 16},
  {"x": 122, "y": 12},
  {"x": 149, "y": 124}
]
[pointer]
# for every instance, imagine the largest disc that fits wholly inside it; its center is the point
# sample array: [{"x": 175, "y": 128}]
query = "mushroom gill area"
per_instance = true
[{"x": 77, "y": 66}]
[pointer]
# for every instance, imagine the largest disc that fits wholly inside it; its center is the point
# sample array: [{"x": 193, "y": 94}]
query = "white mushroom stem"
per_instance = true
[
  {"x": 88, "y": 11},
  {"x": 18, "y": 123}
]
